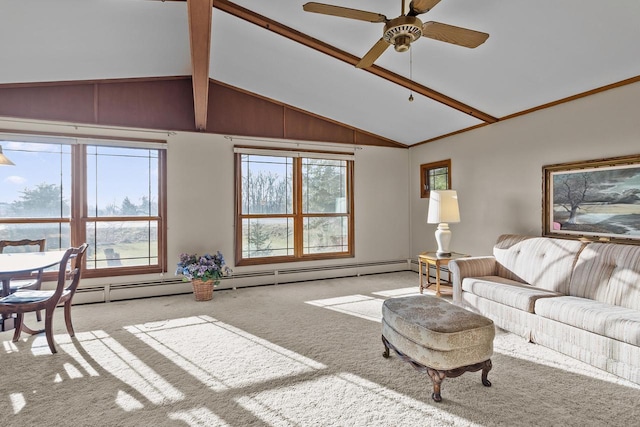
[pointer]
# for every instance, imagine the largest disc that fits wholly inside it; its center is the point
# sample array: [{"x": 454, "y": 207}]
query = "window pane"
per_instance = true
[
  {"x": 58, "y": 235},
  {"x": 323, "y": 235},
  {"x": 122, "y": 181},
  {"x": 324, "y": 186},
  {"x": 270, "y": 227},
  {"x": 267, "y": 185},
  {"x": 39, "y": 185},
  {"x": 439, "y": 178},
  {"x": 120, "y": 243},
  {"x": 267, "y": 237}
]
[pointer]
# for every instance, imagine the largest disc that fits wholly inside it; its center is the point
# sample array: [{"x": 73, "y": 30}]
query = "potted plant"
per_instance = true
[{"x": 204, "y": 272}]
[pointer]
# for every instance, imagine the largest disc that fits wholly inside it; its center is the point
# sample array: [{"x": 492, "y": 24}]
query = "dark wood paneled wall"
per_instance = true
[
  {"x": 71, "y": 103},
  {"x": 238, "y": 113},
  {"x": 167, "y": 104}
]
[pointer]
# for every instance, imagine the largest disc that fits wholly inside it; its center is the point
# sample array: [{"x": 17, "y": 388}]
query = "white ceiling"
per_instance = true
[{"x": 538, "y": 52}]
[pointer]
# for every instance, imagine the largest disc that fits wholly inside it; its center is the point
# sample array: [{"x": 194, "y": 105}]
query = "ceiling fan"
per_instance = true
[{"x": 403, "y": 30}]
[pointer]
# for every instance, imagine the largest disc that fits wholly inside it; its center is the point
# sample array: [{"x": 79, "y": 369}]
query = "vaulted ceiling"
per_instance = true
[{"x": 538, "y": 53}]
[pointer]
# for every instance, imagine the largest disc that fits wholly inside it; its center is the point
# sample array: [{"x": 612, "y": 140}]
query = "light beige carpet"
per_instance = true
[{"x": 303, "y": 354}]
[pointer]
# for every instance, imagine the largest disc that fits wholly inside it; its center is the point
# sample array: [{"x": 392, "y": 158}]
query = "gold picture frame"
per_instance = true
[{"x": 594, "y": 199}]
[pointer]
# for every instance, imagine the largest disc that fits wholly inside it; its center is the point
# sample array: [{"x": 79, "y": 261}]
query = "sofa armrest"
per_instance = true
[{"x": 470, "y": 267}]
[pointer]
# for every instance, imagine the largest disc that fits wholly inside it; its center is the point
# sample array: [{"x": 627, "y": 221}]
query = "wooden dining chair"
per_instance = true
[
  {"x": 24, "y": 301},
  {"x": 34, "y": 283}
]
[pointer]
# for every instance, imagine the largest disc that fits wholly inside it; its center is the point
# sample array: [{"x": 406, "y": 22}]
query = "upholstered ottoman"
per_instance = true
[{"x": 437, "y": 337}]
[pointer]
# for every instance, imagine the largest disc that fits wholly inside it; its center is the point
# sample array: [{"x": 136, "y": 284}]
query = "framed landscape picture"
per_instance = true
[{"x": 597, "y": 199}]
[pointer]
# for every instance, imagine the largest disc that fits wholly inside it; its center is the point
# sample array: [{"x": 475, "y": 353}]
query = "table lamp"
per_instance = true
[{"x": 443, "y": 209}]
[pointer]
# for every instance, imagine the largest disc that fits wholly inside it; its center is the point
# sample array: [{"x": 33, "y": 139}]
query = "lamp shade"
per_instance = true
[
  {"x": 3, "y": 159},
  {"x": 443, "y": 207}
]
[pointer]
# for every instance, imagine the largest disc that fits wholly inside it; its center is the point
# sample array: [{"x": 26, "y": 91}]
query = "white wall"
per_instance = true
[
  {"x": 497, "y": 169},
  {"x": 201, "y": 197},
  {"x": 200, "y": 187}
]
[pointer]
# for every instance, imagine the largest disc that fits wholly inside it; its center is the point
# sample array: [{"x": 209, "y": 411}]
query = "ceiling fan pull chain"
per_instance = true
[{"x": 411, "y": 73}]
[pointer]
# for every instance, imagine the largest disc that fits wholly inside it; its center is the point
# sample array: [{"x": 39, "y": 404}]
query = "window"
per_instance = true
[
  {"x": 292, "y": 206},
  {"x": 435, "y": 176},
  {"x": 72, "y": 191}
]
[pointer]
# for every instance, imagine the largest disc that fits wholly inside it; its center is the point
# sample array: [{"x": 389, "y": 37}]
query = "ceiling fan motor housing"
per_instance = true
[{"x": 402, "y": 31}]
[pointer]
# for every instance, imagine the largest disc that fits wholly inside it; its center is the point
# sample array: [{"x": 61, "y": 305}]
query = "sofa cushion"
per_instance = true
[
  {"x": 543, "y": 262},
  {"x": 609, "y": 273},
  {"x": 505, "y": 291},
  {"x": 604, "y": 319}
]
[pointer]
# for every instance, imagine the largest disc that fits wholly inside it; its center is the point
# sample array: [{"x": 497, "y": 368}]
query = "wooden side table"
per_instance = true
[{"x": 432, "y": 258}]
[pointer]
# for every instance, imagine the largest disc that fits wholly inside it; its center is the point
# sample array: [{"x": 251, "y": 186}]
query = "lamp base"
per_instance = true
[
  {"x": 443, "y": 238},
  {"x": 443, "y": 254}
]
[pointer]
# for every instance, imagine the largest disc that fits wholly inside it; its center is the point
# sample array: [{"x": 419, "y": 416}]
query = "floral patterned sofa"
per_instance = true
[{"x": 579, "y": 298}]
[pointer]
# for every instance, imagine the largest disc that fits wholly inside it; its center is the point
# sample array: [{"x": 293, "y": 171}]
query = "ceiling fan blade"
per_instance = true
[
  {"x": 374, "y": 53},
  {"x": 344, "y": 12},
  {"x": 452, "y": 34},
  {"x": 421, "y": 6}
]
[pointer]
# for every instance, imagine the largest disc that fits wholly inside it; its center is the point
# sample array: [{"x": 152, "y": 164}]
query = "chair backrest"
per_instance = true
[
  {"x": 24, "y": 242},
  {"x": 70, "y": 271},
  {"x": 77, "y": 267}
]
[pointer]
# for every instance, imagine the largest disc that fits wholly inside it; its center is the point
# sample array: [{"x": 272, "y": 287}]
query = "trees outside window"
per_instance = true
[
  {"x": 70, "y": 193},
  {"x": 293, "y": 207}
]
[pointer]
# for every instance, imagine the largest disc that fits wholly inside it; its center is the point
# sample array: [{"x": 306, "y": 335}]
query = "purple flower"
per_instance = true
[{"x": 205, "y": 267}]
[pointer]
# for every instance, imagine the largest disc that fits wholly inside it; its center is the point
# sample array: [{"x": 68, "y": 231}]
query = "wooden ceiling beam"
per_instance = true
[
  {"x": 297, "y": 36},
  {"x": 200, "y": 13}
]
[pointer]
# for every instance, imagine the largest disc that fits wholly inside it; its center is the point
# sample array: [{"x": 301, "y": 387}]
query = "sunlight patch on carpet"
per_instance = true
[
  {"x": 40, "y": 346},
  {"x": 127, "y": 402},
  {"x": 220, "y": 355},
  {"x": 72, "y": 371},
  {"x": 198, "y": 417},
  {"x": 355, "y": 305},
  {"x": 9, "y": 347},
  {"x": 402, "y": 292},
  {"x": 114, "y": 358},
  {"x": 343, "y": 399},
  {"x": 18, "y": 402},
  {"x": 66, "y": 344}
]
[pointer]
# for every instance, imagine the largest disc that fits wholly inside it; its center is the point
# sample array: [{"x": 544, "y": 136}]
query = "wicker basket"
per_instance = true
[{"x": 202, "y": 290}]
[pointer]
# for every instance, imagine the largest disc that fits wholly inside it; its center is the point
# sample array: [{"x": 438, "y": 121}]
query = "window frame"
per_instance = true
[
  {"x": 79, "y": 218},
  {"x": 298, "y": 214},
  {"x": 425, "y": 168}
]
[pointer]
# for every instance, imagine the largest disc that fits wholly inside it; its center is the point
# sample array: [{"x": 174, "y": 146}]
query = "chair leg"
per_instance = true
[
  {"x": 48, "y": 328},
  {"x": 18, "y": 325},
  {"x": 38, "y": 316},
  {"x": 67, "y": 318}
]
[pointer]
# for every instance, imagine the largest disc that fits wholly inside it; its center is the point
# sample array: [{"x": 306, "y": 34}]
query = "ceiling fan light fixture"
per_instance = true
[
  {"x": 402, "y": 43},
  {"x": 402, "y": 31}
]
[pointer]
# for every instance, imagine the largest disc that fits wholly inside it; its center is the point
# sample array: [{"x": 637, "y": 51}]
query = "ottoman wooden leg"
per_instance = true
[
  {"x": 436, "y": 378},
  {"x": 385, "y": 354},
  {"x": 487, "y": 365}
]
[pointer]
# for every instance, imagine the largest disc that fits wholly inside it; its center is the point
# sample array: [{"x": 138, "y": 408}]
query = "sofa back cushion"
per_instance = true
[
  {"x": 543, "y": 262},
  {"x": 609, "y": 273}
]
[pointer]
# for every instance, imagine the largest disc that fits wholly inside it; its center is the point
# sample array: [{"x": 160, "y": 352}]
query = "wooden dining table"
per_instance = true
[{"x": 16, "y": 264}]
